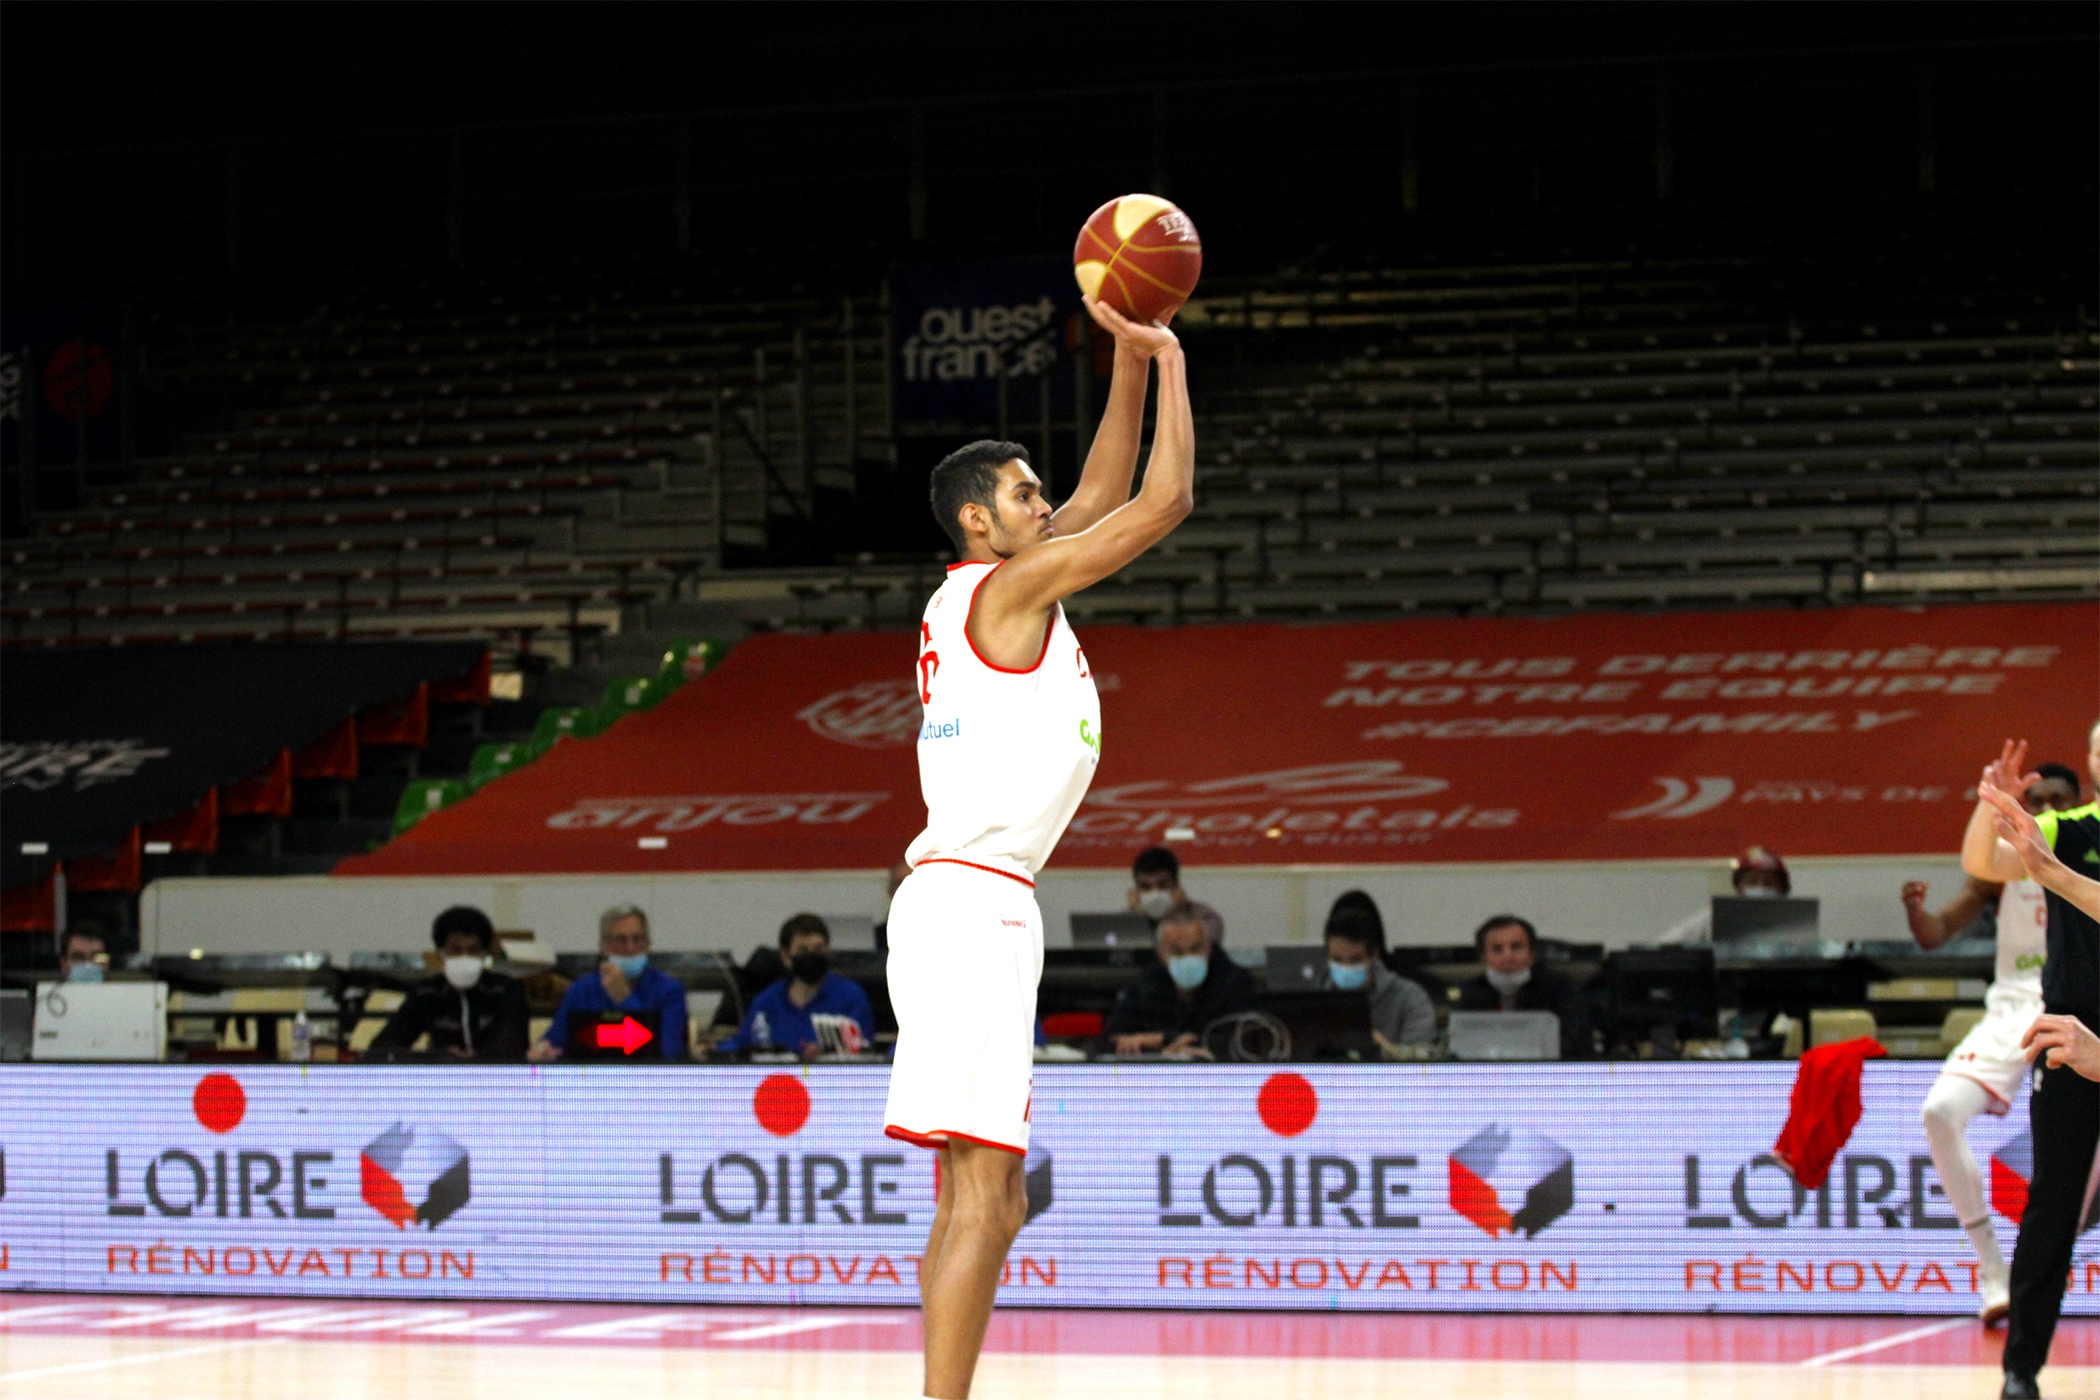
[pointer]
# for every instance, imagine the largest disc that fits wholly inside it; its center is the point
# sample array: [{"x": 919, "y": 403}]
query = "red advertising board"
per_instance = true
[{"x": 1848, "y": 731}]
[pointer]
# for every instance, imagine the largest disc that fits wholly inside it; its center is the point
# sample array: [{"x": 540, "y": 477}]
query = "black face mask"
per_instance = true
[{"x": 810, "y": 968}]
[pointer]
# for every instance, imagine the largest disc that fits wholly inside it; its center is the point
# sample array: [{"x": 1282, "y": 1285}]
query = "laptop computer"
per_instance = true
[
  {"x": 1295, "y": 968},
  {"x": 100, "y": 1021},
  {"x": 615, "y": 1035},
  {"x": 1503, "y": 1035},
  {"x": 1122, "y": 929},
  {"x": 1782, "y": 927},
  {"x": 1324, "y": 1025}
]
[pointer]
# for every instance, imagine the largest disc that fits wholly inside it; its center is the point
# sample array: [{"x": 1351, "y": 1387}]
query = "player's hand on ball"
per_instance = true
[
  {"x": 2068, "y": 1041},
  {"x": 1145, "y": 340}
]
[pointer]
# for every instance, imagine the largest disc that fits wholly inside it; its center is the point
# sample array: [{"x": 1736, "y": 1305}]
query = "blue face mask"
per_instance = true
[
  {"x": 1348, "y": 977},
  {"x": 631, "y": 966},
  {"x": 1188, "y": 972},
  {"x": 84, "y": 972}
]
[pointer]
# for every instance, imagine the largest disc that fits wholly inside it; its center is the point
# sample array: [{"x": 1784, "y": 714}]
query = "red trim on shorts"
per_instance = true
[
  {"x": 937, "y": 1143},
  {"x": 1049, "y": 626},
  {"x": 987, "y": 869}
]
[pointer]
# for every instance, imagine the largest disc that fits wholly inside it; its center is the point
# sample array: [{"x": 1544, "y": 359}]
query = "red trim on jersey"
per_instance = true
[
  {"x": 966, "y": 563},
  {"x": 937, "y": 1143},
  {"x": 987, "y": 869},
  {"x": 1048, "y": 627}
]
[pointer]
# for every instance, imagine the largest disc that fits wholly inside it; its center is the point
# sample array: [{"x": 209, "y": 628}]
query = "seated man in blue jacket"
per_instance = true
[
  {"x": 624, "y": 981},
  {"x": 812, "y": 1010}
]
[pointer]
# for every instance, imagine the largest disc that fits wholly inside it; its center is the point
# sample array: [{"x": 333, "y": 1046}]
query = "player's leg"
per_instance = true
[
  {"x": 1949, "y": 1105},
  {"x": 989, "y": 1205},
  {"x": 943, "y": 1204},
  {"x": 2064, "y": 1113}
]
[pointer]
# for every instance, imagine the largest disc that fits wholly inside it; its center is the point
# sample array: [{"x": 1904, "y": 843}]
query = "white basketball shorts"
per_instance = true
[
  {"x": 966, "y": 955},
  {"x": 1990, "y": 1053}
]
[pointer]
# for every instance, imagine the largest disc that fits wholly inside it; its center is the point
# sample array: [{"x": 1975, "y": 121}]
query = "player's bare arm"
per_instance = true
[
  {"x": 1983, "y": 853},
  {"x": 2018, "y": 832},
  {"x": 1931, "y": 928},
  {"x": 1111, "y": 463},
  {"x": 1012, "y": 607}
]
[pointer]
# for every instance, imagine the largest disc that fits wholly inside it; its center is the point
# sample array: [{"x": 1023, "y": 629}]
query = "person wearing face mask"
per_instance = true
[
  {"x": 469, "y": 1012},
  {"x": 1191, "y": 984},
  {"x": 1401, "y": 1012},
  {"x": 796, "y": 1012},
  {"x": 624, "y": 981},
  {"x": 1757, "y": 874},
  {"x": 1513, "y": 979},
  {"x": 1155, "y": 889},
  {"x": 83, "y": 954}
]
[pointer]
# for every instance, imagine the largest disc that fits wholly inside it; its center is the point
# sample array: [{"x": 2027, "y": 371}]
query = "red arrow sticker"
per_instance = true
[{"x": 627, "y": 1037}]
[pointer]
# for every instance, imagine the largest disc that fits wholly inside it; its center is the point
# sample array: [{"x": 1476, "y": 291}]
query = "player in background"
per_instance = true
[
  {"x": 1985, "y": 1071},
  {"x": 1009, "y": 743},
  {"x": 2063, "y": 1109}
]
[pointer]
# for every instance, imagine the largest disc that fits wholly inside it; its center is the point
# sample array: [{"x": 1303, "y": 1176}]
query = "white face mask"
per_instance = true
[
  {"x": 1155, "y": 904},
  {"x": 1759, "y": 892},
  {"x": 1507, "y": 982},
  {"x": 464, "y": 972}
]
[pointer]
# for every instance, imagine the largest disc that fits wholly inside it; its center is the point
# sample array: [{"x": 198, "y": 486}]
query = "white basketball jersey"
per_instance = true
[
  {"x": 1004, "y": 756},
  {"x": 2023, "y": 945}
]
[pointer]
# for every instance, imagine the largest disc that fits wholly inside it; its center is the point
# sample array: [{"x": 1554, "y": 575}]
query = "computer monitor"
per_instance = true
[
  {"x": 100, "y": 1021},
  {"x": 1295, "y": 968},
  {"x": 1122, "y": 929},
  {"x": 1323, "y": 1025},
  {"x": 1503, "y": 1035},
  {"x": 1767, "y": 927},
  {"x": 14, "y": 1023},
  {"x": 1667, "y": 990}
]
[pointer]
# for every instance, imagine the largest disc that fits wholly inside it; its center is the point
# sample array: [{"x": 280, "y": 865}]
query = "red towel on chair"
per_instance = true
[{"x": 1825, "y": 1108}]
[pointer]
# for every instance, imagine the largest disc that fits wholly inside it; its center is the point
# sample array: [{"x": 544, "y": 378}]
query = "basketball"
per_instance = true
[{"x": 1140, "y": 255}]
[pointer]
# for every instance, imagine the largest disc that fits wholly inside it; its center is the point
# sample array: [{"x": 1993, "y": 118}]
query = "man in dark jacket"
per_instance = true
[
  {"x": 1513, "y": 979},
  {"x": 469, "y": 1012},
  {"x": 1192, "y": 985}
]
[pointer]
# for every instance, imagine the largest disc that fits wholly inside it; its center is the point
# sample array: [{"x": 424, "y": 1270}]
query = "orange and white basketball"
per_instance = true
[{"x": 1140, "y": 255}]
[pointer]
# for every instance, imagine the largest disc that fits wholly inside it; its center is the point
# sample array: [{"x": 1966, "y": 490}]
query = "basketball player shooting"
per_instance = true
[{"x": 1011, "y": 737}]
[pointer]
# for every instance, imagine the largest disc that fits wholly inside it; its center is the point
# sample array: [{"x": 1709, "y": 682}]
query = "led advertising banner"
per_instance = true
[{"x": 1600, "y": 1187}]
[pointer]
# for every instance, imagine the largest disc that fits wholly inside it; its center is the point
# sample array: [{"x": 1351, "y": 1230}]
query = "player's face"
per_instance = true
[
  {"x": 2050, "y": 795},
  {"x": 1022, "y": 516}
]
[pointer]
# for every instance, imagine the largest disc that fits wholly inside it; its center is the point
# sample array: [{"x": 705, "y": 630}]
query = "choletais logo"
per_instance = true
[
  {"x": 1512, "y": 1181},
  {"x": 403, "y": 1162},
  {"x": 871, "y": 715}
]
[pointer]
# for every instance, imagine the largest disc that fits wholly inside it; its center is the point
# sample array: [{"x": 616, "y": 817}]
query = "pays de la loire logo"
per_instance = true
[
  {"x": 1681, "y": 799},
  {"x": 871, "y": 715},
  {"x": 1512, "y": 1181}
]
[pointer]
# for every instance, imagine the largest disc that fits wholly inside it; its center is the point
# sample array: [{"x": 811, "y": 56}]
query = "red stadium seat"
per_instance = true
[{"x": 267, "y": 794}]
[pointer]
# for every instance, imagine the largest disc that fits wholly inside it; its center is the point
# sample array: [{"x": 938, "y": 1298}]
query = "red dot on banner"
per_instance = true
[
  {"x": 219, "y": 1102},
  {"x": 782, "y": 1104},
  {"x": 1287, "y": 1104}
]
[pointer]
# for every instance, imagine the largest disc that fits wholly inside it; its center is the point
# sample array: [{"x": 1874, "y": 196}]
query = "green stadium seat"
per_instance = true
[
  {"x": 424, "y": 796},
  {"x": 563, "y": 722},
  {"x": 492, "y": 761}
]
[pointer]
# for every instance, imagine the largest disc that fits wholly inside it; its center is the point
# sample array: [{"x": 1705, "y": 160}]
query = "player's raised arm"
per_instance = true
[
  {"x": 2019, "y": 832},
  {"x": 1111, "y": 462},
  {"x": 1024, "y": 588},
  {"x": 1983, "y": 853}
]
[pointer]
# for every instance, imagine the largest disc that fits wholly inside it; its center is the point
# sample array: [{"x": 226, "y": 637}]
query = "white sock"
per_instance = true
[{"x": 1983, "y": 1238}]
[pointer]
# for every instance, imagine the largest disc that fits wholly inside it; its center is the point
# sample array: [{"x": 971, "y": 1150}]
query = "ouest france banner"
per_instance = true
[{"x": 1564, "y": 1188}]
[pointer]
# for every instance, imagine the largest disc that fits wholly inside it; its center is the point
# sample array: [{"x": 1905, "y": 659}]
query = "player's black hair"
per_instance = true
[
  {"x": 1354, "y": 915},
  {"x": 969, "y": 473},
  {"x": 463, "y": 918},
  {"x": 1156, "y": 860},
  {"x": 803, "y": 923},
  {"x": 2062, "y": 771},
  {"x": 1495, "y": 921}
]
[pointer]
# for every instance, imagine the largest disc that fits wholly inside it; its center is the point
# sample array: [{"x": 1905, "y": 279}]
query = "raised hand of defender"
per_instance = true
[
  {"x": 2018, "y": 828},
  {"x": 1145, "y": 340},
  {"x": 2008, "y": 771}
]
